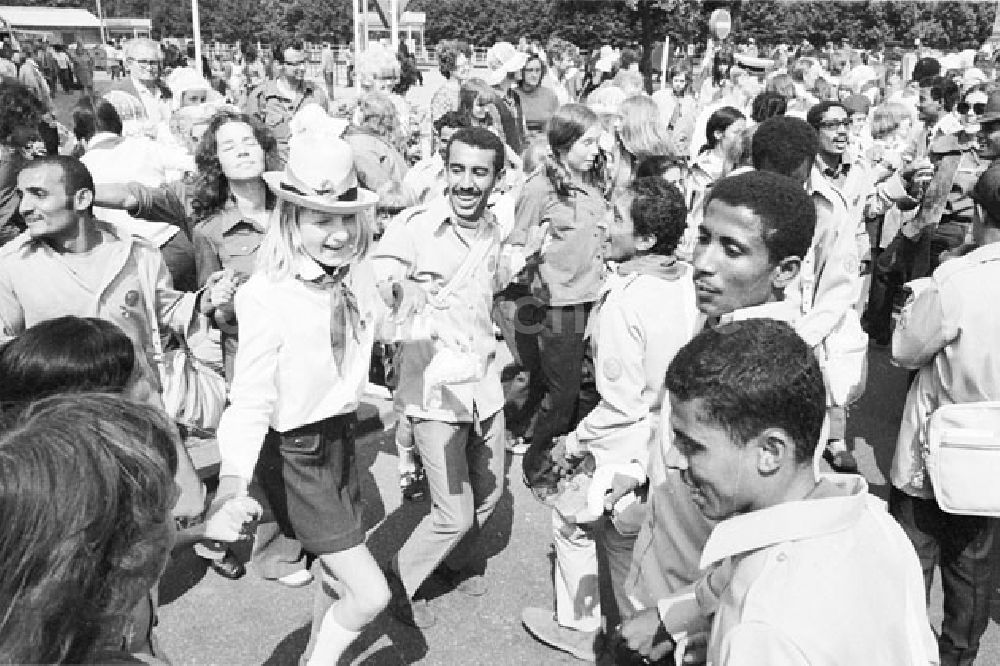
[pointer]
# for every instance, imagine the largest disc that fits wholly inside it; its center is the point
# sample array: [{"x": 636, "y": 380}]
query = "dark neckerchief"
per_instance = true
[
  {"x": 834, "y": 173},
  {"x": 344, "y": 313}
]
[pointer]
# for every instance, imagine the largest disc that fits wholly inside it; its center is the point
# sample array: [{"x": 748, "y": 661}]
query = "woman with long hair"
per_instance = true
[
  {"x": 639, "y": 135},
  {"x": 86, "y": 491},
  {"x": 231, "y": 205},
  {"x": 78, "y": 357},
  {"x": 65, "y": 354},
  {"x": 377, "y": 141},
  {"x": 455, "y": 64},
  {"x": 721, "y": 148},
  {"x": 308, "y": 317},
  {"x": 562, "y": 218}
]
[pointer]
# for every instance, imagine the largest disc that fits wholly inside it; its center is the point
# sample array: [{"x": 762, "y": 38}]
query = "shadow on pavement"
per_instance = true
[
  {"x": 396, "y": 528},
  {"x": 406, "y": 644},
  {"x": 184, "y": 570},
  {"x": 365, "y": 453},
  {"x": 291, "y": 647},
  {"x": 876, "y": 416}
]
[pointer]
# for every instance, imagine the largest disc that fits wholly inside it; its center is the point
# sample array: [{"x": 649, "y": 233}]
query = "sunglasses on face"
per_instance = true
[
  {"x": 978, "y": 108},
  {"x": 147, "y": 63},
  {"x": 835, "y": 124}
]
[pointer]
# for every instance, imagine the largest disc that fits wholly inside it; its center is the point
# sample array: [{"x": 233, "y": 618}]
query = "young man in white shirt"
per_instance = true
[
  {"x": 801, "y": 569},
  {"x": 756, "y": 229}
]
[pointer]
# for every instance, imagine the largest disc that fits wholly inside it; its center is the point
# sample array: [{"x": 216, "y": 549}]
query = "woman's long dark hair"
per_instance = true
[
  {"x": 719, "y": 121},
  {"x": 567, "y": 125},
  {"x": 211, "y": 187},
  {"x": 66, "y": 354},
  {"x": 86, "y": 490}
]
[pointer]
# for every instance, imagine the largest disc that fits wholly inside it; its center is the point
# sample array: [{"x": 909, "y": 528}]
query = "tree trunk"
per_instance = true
[{"x": 646, "y": 40}]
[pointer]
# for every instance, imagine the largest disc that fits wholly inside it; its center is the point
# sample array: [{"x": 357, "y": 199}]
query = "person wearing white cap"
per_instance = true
[
  {"x": 275, "y": 101},
  {"x": 506, "y": 64},
  {"x": 308, "y": 317}
]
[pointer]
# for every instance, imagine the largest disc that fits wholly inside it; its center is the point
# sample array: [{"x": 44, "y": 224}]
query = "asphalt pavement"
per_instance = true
[{"x": 206, "y": 619}]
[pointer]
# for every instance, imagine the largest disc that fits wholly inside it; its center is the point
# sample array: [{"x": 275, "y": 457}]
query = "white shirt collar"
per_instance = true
[
  {"x": 306, "y": 268},
  {"x": 785, "y": 311},
  {"x": 842, "y": 500}
]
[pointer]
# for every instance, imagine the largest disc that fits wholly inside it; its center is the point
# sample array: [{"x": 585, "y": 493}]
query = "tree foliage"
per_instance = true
[{"x": 587, "y": 23}]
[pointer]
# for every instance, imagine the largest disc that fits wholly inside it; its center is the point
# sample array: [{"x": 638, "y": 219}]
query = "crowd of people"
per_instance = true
[{"x": 686, "y": 284}]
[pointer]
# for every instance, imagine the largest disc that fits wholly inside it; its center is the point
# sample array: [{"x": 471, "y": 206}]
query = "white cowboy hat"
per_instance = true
[
  {"x": 320, "y": 171},
  {"x": 502, "y": 59}
]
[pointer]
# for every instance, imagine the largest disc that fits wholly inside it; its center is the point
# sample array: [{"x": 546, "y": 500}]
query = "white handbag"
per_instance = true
[{"x": 962, "y": 454}]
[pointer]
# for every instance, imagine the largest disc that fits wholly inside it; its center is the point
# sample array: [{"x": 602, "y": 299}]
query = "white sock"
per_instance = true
[{"x": 331, "y": 641}]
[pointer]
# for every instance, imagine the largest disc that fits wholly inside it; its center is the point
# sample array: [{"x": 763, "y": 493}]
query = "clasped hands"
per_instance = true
[
  {"x": 609, "y": 483},
  {"x": 231, "y": 512},
  {"x": 219, "y": 291}
]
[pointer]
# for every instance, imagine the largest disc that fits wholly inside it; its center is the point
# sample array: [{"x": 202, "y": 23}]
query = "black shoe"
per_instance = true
[
  {"x": 842, "y": 462},
  {"x": 228, "y": 567}
]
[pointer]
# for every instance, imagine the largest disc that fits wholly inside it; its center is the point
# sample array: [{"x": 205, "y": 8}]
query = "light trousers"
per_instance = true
[{"x": 464, "y": 464}]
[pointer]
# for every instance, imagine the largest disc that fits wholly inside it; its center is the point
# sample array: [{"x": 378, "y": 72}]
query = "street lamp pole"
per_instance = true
[
  {"x": 196, "y": 27},
  {"x": 100, "y": 17}
]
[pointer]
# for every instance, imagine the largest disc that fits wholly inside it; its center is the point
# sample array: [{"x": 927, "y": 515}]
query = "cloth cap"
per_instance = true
[
  {"x": 992, "y": 111},
  {"x": 857, "y": 104}
]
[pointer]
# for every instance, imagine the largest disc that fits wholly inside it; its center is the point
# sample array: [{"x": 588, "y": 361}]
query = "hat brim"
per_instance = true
[
  {"x": 515, "y": 64},
  {"x": 366, "y": 198},
  {"x": 495, "y": 77}
]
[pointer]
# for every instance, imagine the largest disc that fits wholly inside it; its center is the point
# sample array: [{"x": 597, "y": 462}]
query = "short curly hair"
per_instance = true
[
  {"x": 211, "y": 187},
  {"x": 767, "y": 105},
  {"x": 19, "y": 107},
  {"x": 752, "y": 375},
  {"x": 815, "y": 115},
  {"x": 447, "y": 53},
  {"x": 658, "y": 210},
  {"x": 378, "y": 114},
  {"x": 783, "y": 143},
  {"x": 787, "y": 215}
]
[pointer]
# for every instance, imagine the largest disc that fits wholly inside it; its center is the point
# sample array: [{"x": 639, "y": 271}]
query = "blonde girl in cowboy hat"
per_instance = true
[{"x": 307, "y": 325}]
